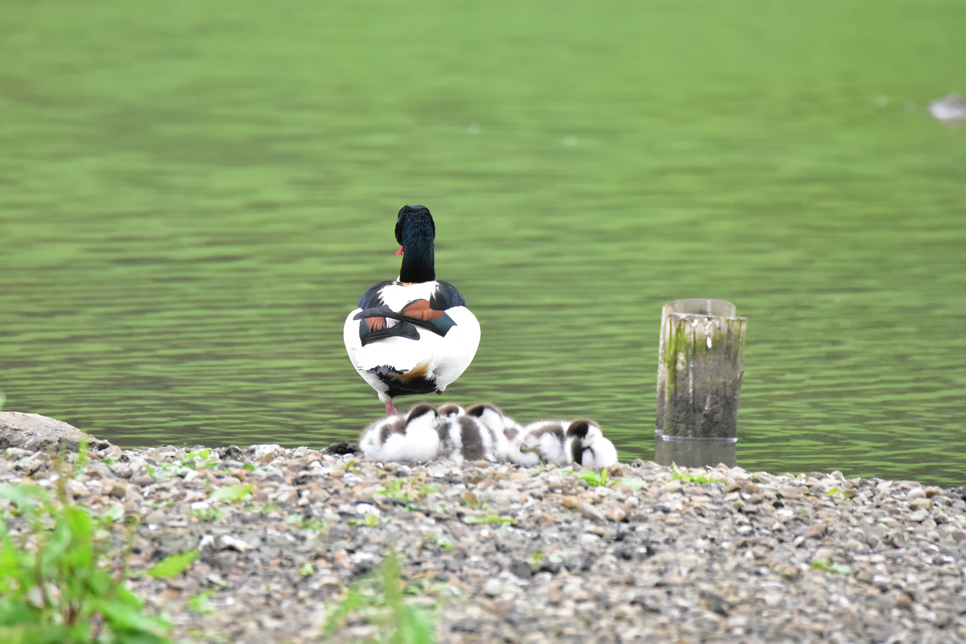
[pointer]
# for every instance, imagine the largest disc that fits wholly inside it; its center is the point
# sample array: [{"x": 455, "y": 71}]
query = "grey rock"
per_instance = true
[{"x": 38, "y": 433}]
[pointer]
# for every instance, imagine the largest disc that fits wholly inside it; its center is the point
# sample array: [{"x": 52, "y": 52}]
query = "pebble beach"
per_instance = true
[{"x": 501, "y": 553}]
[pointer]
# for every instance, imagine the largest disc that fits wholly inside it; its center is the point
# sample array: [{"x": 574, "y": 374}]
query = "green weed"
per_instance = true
[
  {"x": 231, "y": 493},
  {"x": 596, "y": 478},
  {"x": 380, "y": 600},
  {"x": 173, "y": 565},
  {"x": 369, "y": 521},
  {"x": 200, "y": 604},
  {"x": 211, "y": 514},
  {"x": 490, "y": 518},
  {"x": 691, "y": 478},
  {"x": 56, "y": 581},
  {"x": 831, "y": 567}
]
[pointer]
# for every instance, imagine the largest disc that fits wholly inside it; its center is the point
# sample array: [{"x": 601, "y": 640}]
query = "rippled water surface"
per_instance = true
[{"x": 194, "y": 195}]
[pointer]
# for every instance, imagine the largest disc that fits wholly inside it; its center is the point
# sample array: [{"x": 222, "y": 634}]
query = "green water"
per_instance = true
[{"x": 194, "y": 194}]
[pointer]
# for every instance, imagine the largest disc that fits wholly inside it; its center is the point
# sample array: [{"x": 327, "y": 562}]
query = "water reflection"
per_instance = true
[{"x": 694, "y": 452}]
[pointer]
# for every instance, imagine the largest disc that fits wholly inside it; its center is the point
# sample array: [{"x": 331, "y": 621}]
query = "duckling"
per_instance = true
[
  {"x": 465, "y": 438},
  {"x": 586, "y": 446},
  {"x": 545, "y": 440},
  {"x": 450, "y": 409},
  {"x": 507, "y": 433},
  {"x": 395, "y": 438}
]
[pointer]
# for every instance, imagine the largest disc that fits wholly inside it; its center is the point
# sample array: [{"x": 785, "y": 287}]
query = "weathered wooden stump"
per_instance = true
[{"x": 699, "y": 375}]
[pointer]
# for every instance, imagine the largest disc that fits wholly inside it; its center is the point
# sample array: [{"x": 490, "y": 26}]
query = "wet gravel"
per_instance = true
[{"x": 500, "y": 553}]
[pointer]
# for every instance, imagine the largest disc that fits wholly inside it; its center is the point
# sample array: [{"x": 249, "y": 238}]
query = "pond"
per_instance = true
[{"x": 194, "y": 195}]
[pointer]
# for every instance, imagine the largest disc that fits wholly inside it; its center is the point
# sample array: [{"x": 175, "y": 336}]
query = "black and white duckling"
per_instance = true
[
  {"x": 403, "y": 438},
  {"x": 585, "y": 445},
  {"x": 412, "y": 335},
  {"x": 543, "y": 441},
  {"x": 507, "y": 433},
  {"x": 450, "y": 409},
  {"x": 465, "y": 438}
]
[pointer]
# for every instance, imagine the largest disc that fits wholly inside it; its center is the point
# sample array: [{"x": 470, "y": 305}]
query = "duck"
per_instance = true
[
  {"x": 585, "y": 445},
  {"x": 415, "y": 334},
  {"x": 399, "y": 438}
]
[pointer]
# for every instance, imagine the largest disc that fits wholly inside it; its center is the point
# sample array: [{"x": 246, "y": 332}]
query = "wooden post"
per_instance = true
[{"x": 700, "y": 368}]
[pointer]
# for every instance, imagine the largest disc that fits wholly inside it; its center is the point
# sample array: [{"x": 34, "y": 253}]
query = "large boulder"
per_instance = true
[{"x": 37, "y": 433}]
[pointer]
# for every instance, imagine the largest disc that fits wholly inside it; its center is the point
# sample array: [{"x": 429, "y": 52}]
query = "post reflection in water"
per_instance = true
[{"x": 694, "y": 452}]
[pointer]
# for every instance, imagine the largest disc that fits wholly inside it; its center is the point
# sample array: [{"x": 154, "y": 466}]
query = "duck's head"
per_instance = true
[{"x": 415, "y": 232}]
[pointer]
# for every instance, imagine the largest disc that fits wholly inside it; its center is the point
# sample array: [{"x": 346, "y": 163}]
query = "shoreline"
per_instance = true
[{"x": 505, "y": 553}]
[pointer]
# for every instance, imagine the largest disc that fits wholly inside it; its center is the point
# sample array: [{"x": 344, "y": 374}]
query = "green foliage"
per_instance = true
[
  {"x": 380, "y": 600},
  {"x": 211, "y": 514},
  {"x": 369, "y": 521},
  {"x": 821, "y": 564},
  {"x": 173, "y": 565},
  {"x": 490, "y": 518},
  {"x": 56, "y": 583},
  {"x": 407, "y": 491},
  {"x": 691, "y": 478},
  {"x": 306, "y": 569},
  {"x": 180, "y": 467},
  {"x": 596, "y": 478},
  {"x": 200, "y": 604},
  {"x": 231, "y": 493}
]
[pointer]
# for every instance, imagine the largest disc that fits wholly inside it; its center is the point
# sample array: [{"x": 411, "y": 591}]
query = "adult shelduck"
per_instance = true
[{"x": 413, "y": 335}]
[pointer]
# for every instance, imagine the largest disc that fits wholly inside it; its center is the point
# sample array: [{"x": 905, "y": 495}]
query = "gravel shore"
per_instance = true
[{"x": 497, "y": 553}]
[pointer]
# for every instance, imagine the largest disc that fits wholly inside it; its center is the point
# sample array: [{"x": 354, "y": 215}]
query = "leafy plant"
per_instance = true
[
  {"x": 231, "y": 493},
  {"x": 200, "y": 604},
  {"x": 821, "y": 564},
  {"x": 209, "y": 514},
  {"x": 381, "y": 599},
  {"x": 406, "y": 491},
  {"x": 55, "y": 583},
  {"x": 691, "y": 478},
  {"x": 173, "y": 565},
  {"x": 594, "y": 478},
  {"x": 370, "y": 521},
  {"x": 490, "y": 518}
]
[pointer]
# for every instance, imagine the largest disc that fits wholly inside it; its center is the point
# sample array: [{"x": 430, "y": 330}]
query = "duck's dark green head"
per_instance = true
[{"x": 415, "y": 232}]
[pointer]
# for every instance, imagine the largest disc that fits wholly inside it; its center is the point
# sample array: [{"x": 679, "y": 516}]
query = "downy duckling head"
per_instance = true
[
  {"x": 587, "y": 446},
  {"x": 450, "y": 410}
]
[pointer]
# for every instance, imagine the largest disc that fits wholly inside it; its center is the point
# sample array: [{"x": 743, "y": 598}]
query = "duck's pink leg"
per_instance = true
[{"x": 390, "y": 410}]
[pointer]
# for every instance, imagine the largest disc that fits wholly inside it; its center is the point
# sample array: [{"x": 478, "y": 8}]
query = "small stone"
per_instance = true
[
  {"x": 822, "y": 555},
  {"x": 816, "y": 530},
  {"x": 904, "y": 602},
  {"x": 571, "y": 502},
  {"x": 591, "y": 512},
  {"x": 144, "y": 480},
  {"x": 154, "y": 518},
  {"x": 791, "y": 491}
]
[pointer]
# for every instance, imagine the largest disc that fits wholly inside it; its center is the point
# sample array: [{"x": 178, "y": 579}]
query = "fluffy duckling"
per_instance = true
[
  {"x": 507, "y": 433},
  {"x": 465, "y": 438},
  {"x": 544, "y": 441},
  {"x": 586, "y": 446},
  {"x": 397, "y": 438},
  {"x": 450, "y": 409}
]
